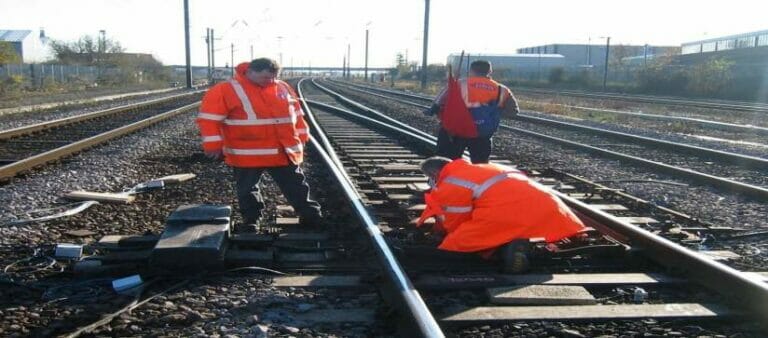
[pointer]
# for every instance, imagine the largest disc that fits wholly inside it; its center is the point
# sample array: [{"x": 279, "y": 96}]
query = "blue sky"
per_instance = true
[{"x": 319, "y": 30}]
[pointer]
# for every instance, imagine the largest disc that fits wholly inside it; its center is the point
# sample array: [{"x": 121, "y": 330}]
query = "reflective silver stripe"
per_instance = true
[
  {"x": 253, "y": 151},
  {"x": 462, "y": 183},
  {"x": 243, "y": 99},
  {"x": 215, "y": 138},
  {"x": 209, "y": 116},
  {"x": 292, "y": 112},
  {"x": 479, "y": 189},
  {"x": 477, "y": 192},
  {"x": 301, "y": 131},
  {"x": 457, "y": 209},
  {"x": 259, "y": 122},
  {"x": 295, "y": 149}
]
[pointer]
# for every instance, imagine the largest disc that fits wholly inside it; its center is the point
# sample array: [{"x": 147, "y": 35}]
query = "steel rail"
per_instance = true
[
  {"x": 37, "y": 127},
  {"x": 709, "y": 123},
  {"x": 418, "y": 315},
  {"x": 749, "y": 290},
  {"x": 716, "y": 181},
  {"x": 741, "y": 106},
  {"x": 725, "y": 156},
  {"x": 13, "y": 169},
  {"x": 746, "y": 128}
]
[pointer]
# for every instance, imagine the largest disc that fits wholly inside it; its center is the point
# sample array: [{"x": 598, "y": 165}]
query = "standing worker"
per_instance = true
[
  {"x": 255, "y": 122},
  {"x": 485, "y": 100},
  {"x": 484, "y": 207}
]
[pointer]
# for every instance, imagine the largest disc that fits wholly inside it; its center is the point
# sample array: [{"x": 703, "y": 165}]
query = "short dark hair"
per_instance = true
[
  {"x": 260, "y": 64},
  {"x": 480, "y": 67},
  {"x": 434, "y": 164}
]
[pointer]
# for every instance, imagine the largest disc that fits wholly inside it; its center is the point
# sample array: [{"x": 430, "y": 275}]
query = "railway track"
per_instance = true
[
  {"x": 27, "y": 147},
  {"x": 380, "y": 198},
  {"x": 384, "y": 168},
  {"x": 750, "y": 170},
  {"x": 714, "y": 104}
]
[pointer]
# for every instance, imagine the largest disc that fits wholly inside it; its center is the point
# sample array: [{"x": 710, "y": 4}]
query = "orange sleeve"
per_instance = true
[
  {"x": 213, "y": 112},
  {"x": 456, "y": 205}
]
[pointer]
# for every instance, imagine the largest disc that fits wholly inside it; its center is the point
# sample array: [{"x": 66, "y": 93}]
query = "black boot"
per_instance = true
[{"x": 514, "y": 256}]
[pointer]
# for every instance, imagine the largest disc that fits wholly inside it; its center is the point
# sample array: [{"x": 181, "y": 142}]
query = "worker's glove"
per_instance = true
[
  {"x": 431, "y": 111},
  {"x": 214, "y": 154}
]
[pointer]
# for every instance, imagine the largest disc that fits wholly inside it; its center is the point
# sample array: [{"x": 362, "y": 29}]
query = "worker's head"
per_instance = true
[
  {"x": 262, "y": 71},
  {"x": 480, "y": 68},
  {"x": 433, "y": 165}
]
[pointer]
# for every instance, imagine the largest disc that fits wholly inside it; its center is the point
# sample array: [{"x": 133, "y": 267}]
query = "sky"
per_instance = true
[{"x": 301, "y": 32}]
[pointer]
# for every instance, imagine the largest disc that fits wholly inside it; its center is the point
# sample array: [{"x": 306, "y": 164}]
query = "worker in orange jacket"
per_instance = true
[
  {"x": 482, "y": 207},
  {"x": 486, "y": 100},
  {"x": 255, "y": 122}
]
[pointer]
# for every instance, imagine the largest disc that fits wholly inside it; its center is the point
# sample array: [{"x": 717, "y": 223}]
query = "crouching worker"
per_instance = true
[{"x": 485, "y": 207}]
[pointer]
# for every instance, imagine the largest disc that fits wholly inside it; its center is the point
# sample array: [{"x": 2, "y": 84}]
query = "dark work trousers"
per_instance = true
[
  {"x": 292, "y": 183},
  {"x": 453, "y": 147}
]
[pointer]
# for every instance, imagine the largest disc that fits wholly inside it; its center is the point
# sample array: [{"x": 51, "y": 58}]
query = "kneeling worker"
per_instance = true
[{"x": 483, "y": 207}]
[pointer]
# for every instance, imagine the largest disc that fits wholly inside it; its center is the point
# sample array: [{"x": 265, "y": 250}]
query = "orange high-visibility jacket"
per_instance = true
[
  {"x": 480, "y": 90},
  {"x": 484, "y": 206},
  {"x": 254, "y": 126}
]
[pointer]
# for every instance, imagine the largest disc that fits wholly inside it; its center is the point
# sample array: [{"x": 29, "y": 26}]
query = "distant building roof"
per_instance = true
[
  {"x": 727, "y": 37},
  {"x": 480, "y": 56},
  {"x": 13, "y": 35}
]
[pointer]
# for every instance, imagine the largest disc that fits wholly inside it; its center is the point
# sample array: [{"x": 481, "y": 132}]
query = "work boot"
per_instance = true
[{"x": 514, "y": 256}]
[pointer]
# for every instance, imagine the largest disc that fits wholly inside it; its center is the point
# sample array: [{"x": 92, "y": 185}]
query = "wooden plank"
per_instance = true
[
  {"x": 393, "y": 186},
  {"x": 588, "y": 312},
  {"x": 403, "y": 197},
  {"x": 317, "y": 281},
  {"x": 638, "y": 220},
  {"x": 284, "y": 208},
  {"x": 419, "y": 187},
  {"x": 609, "y": 207},
  {"x": 178, "y": 178},
  {"x": 583, "y": 196},
  {"x": 416, "y": 207},
  {"x": 82, "y": 195},
  {"x": 287, "y": 221},
  {"x": 399, "y": 167},
  {"x": 585, "y": 279},
  {"x": 721, "y": 255},
  {"x": 542, "y": 295}
]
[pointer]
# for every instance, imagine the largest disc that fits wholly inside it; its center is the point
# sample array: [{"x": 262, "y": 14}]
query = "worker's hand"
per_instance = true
[{"x": 214, "y": 154}]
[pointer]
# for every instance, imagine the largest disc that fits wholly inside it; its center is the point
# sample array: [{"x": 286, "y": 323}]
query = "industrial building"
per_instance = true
[
  {"x": 31, "y": 46},
  {"x": 738, "y": 41},
  {"x": 513, "y": 64},
  {"x": 591, "y": 55}
]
